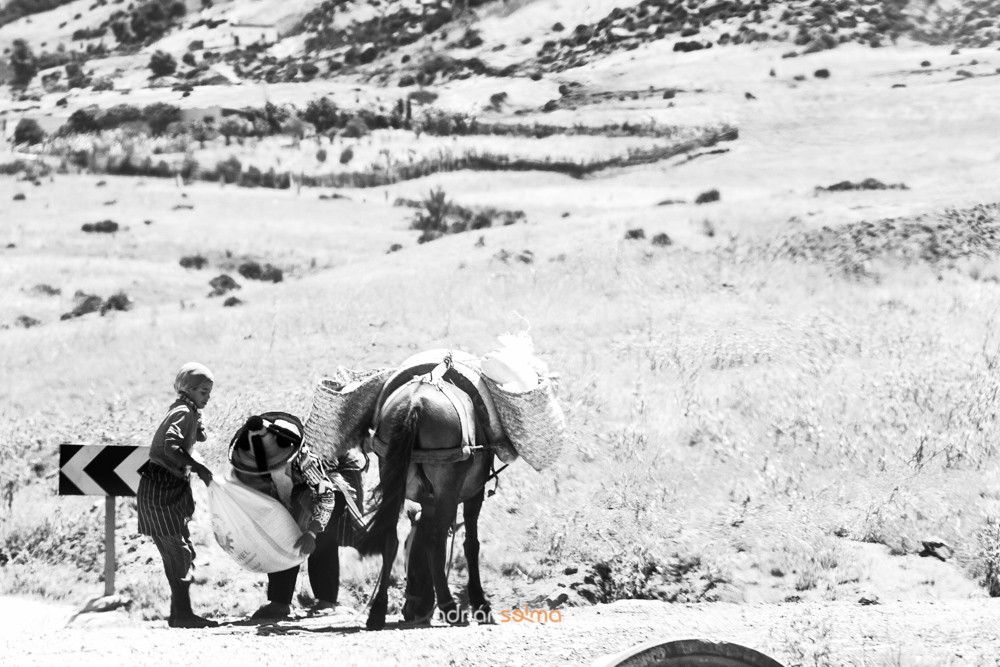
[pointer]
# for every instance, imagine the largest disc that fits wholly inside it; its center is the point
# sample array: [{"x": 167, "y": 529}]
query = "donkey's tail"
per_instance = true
[{"x": 391, "y": 489}]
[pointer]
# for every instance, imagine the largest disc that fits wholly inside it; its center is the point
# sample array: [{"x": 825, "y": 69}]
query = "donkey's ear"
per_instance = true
[{"x": 254, "y": 423}]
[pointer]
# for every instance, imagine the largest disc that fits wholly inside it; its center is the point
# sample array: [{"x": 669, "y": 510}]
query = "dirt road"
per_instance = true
[{"x": 925, "y": 633}]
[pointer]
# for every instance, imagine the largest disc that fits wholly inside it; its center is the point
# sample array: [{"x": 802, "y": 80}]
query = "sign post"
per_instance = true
[
  {"x": 110, "y": 563},
  {"x": 102, "y": 470}
]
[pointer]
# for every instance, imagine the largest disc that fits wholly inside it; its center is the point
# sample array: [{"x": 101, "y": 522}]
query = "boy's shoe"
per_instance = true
[
  {"x": 191, "y": 622},
  {"x": 273, "y": 610}
]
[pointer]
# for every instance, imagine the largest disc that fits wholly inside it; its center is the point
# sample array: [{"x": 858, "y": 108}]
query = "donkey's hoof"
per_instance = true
[
  {"x": 453, "y": 615},
  {"x": 483, "y": 615},
  {"x": 413, "y": 615},
  {"x": 375, "y": 622}
]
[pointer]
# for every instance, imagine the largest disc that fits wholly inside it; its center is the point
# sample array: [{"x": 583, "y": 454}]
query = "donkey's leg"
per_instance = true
[
  {"x": 380, "y": 603},
  {"x": 477, "y": 598},
  {"x": 419, "y": 603},
  {"x": 438, "y": 519}
]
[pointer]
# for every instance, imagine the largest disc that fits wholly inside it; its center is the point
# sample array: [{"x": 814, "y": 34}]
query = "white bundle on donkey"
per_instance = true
[{"x": 524, "y": 395}]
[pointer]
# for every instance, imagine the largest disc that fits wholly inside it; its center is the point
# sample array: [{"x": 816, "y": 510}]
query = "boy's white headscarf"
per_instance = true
[{"x": 191, "y": 376}]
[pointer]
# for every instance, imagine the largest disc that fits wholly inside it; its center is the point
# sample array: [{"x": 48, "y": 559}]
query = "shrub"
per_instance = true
[
  {"x": 662, "y": 240},
  {"x": 251, "y": 178},
  {"x": 272, "y": 274},
  {"x": 422, "y": 96},
  {"x": 222, "y": 284},
  {"x": 28, "y": 131},
  {"x": 355, "y": 129},
  {"x": 27, "y": 321},
  {"x": 189, "y": 168},
  {"x": 159, "y": 115},
  {"x": 321, "y": 155},
  {"x": 19, "y": 197},
  {"x": 85, "y": 304},
  {"x": 102, "y": 227},
  {"x": 309, "y": 70},
  {"x": 189, "y": 59},
  {"x": 46, "y": 290},
  {"x": 75, "y": 78},
  {"x": 482, "y": 220},
  {"x": 707, "y": 197},
  {"x": 162, "y": 64},
  {"x": 347, "y": 155},
  {"x": 429, "y": 235},
  {"x": 118, "y": 301},
  {"x": 23, "y": 63},
  {"x": 193, "y": 262},
  {"x": 148, "y": 22},
  {"x": 102, "y": 83},
  {"x": 118, "y": 115},
  {"x": 635, "y": 234},
  {"x": 252, "y": 270},
  {"x": 822, "y": 74},
  {"x": 470, "y": 40},
  {"x": 88, "y": 33},
  {"x": 986, "y": 560},
  {"x": 232, "y": 301},
  {"x": 229, "y": 170},
  {"x": 437, "y": 207},
  {"x": 323, "y": 114},
  {"x": 202, "y": 131},
  {"x": 234, "y": 126}
]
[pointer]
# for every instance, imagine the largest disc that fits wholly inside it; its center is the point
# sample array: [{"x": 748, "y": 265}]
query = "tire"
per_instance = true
[{"x": 688, "y": 653}]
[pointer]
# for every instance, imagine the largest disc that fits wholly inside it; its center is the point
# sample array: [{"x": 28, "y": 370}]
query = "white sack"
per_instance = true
[{"x": 253, "y": 528}]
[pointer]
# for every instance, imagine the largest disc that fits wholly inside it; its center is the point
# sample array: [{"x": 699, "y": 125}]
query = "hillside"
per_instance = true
[{"x": 765, "y": 269}]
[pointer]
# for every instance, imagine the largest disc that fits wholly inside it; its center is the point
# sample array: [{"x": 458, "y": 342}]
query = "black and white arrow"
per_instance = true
[{"x": 100, "y": 470}]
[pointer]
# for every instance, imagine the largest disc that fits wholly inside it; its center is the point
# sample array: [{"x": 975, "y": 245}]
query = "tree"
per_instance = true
[
  {"x": 234, "y": 126},
  {"x": 202, "y": 131},
  {"x": 118, "y": 115},
  {"x": 309, "y": 70},
  {"x": 297, "y": 128},
  {"x": 28, "y": 131},
  {"x": 162, "y": 64},
  {"x": 23, "y": 62},
  {"x": 438, "y": 207},
  {"x": 260, "y": 128},
  {"x": 82, "y": 121},
  {"x": 276, "y": 116},
  {"x": 159, "y": 115},
  {"x": 322, "y": 113}
]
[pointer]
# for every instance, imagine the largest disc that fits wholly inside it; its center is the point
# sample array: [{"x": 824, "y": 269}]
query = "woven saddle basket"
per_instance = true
[
  {"x": 533, "y": 421},
  {"x": 342, "y": 411}
]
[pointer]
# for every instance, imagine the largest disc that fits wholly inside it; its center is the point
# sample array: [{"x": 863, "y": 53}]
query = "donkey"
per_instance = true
[{"x": 434, "y": 450}]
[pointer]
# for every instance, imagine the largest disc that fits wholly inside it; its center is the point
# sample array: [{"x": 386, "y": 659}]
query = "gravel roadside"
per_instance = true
[{"x": 839, "y": 633}]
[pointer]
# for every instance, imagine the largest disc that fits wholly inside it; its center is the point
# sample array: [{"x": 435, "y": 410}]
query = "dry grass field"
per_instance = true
[{"x": 780, "y": 404}]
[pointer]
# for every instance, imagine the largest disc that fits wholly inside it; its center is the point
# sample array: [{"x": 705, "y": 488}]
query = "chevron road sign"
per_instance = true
[{"x": 100, "y": 470}]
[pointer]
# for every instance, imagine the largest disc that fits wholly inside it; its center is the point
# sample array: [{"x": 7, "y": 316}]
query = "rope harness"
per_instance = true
[{"x": 438, "y": 378}]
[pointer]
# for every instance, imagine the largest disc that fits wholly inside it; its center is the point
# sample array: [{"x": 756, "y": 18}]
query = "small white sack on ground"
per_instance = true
[{"x": 254, "y": 529}]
